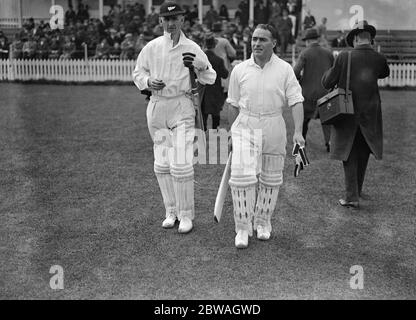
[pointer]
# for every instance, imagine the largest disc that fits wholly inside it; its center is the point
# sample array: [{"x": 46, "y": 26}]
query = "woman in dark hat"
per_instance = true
[{"x": 355, "y": 137}]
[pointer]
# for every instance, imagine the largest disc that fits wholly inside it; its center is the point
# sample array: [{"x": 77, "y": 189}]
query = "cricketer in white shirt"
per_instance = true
[
  {"x": 260, "y": 88},
  {"x": 171, "y": 116}
]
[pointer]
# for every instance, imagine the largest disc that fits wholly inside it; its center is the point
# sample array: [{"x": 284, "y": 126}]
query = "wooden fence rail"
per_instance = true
[{"x": 401, "y": 74}]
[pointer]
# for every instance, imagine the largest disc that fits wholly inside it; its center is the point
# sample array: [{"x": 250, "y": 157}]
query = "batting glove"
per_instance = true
[
  {"x": 301, "y": 159},
  {"x": 190, "y": 60}
]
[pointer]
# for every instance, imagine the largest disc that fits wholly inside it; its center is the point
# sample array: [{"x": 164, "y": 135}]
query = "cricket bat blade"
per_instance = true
[{"x": 222, "y": 190}]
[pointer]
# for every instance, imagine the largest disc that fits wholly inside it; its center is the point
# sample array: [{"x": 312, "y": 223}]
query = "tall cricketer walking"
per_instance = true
[
  {"x": 162, "y": 67},
  {"x": 259, "y": 89}
]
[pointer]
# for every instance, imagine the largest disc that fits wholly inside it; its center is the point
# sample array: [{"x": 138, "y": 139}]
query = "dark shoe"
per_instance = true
[
  {"x": 328, "y": 148},
  {"x": 349, "y": 204},
  {"x": 365, "y": 196}
]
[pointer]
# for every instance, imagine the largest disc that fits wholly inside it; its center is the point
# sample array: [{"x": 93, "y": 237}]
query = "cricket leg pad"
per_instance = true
[
  {"x": 183, "y": 182},
  {"x": 271, "y": 178},
  {"x": 165, "y": 180},
  {"x": 244, "y": 197}
]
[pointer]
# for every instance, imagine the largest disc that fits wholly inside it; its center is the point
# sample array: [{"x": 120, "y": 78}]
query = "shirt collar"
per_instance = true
[
  {"x": 181, "y": 37},
  {"x": 251, "y": 61}
]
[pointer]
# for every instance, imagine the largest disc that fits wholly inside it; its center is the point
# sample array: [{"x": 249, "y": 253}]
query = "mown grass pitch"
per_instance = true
[{"x": 78, "y": 190}]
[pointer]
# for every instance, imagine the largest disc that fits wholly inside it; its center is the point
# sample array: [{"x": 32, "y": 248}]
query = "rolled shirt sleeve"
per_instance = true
[
  {"x": 233, "y": 89},
  {"x": 208, "y": 75},
  {"x": 293, "y": 89}
]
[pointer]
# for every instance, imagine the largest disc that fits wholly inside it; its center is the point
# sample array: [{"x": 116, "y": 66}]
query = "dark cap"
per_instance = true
[
  {"x": 217, "y": 27},
  {"x": 170, "y": 8},
  {"x": 311, "y": 34}
]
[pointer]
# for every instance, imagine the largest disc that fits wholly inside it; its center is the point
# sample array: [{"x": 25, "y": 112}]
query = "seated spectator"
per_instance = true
[
  {"x": 115, "y": 51},
  {"x": 70, "y": 15},
  {"x": 68, "y": 49},
  {"x": 115, "y": 15},
  {"x": 122, "y": 32},
  {"x": 17, "y": 47},
  {"x": 153, "y": 18},
  {"x": 127, "y": 48},
  {"x": 83, "y": 13},
  {"x": 113, "y": 37},
  {"x": 2, "y": 35},
  {"x": 102, "y": 50},
  {"x": 4, "y": 48},
  {"x": 99, "y": 28},
  {"x": 147, "y": 32},
  {"x": 29, "y": 25},
  {"x": 55, "y": 48},
  {"x": 339, "y": 41},
  {"x": 42, "y": 26},
  {"x": 43, "y": 49},
  {"x": 141, "y": 11},
  {"x": 140, "y": 43},
  {"x": 134, "y": 25},
  {"x": 29, "y": 48}
]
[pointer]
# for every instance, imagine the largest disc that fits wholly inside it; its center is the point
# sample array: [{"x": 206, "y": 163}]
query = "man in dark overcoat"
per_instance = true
[
  {"x": 353, "y": 139},
  {"x": 213, "y": 97},
  {"x": 314, "y": 61}
]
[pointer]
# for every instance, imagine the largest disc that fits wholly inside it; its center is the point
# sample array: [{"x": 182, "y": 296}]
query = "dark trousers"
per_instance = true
[
  {"x": 355, "y": 167},
  {"x": 215, "y": 120},
  {"x": 284, "y": 41},
  {"x": 326, "y": 129}
]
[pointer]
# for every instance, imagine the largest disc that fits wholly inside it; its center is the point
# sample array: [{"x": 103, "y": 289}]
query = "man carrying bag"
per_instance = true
[{"x": 355, "y": 136}]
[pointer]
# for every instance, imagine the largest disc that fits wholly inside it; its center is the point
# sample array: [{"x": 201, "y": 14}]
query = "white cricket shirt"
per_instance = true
[
  {"x": 264, "y": 91},
  {"x": 161, "y": 60}
]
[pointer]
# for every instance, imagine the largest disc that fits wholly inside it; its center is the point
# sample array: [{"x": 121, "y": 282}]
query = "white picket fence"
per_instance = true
[
  {"x": 67, "y": 70},
  {"x": 401, "y": 74}
]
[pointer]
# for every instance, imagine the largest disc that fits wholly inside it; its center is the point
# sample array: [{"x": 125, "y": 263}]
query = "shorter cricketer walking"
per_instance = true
[{"x": 259, "y": 89}]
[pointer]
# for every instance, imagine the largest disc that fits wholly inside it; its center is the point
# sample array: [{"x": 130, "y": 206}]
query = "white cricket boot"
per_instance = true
[
  {"x": 241, "y": 239},
  {"x": 185, "y": 225},
  {"x": 262, "y": 233},
  {"x": 169, "y": 222}
]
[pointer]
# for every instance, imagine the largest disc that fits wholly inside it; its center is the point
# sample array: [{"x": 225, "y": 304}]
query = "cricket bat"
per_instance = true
[
  {"x": 222, "y": 191},
  {"x": 196, "y": 99}
]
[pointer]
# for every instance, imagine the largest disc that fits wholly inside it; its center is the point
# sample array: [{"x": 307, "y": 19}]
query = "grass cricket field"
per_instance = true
[{"x": 78, "y": 191}]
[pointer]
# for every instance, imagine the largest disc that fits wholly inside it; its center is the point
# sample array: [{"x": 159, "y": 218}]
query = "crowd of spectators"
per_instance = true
[{"x": 124, "y": 31}]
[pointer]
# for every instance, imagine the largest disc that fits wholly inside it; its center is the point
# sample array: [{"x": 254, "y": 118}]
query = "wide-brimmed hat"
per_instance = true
[
  {"x": 360, "y": 26},
  {"x": 217, "y": 27},
  {"x": 310, "y": 34},
  {"x": 170, "y": 8}
]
